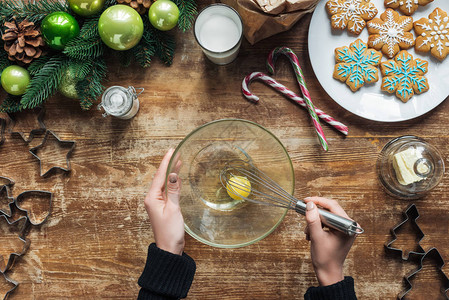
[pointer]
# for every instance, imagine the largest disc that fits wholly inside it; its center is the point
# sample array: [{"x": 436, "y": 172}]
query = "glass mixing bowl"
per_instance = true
[
  {"x": 428, "y": 166},
  {"x": 210, "y": 214}
]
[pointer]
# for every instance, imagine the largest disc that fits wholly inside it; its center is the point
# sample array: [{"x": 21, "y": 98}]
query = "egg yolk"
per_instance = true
[{"x": 238, "y": 187}]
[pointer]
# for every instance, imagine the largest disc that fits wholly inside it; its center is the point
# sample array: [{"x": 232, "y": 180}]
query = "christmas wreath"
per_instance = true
[{"x": 50, "y": 45}]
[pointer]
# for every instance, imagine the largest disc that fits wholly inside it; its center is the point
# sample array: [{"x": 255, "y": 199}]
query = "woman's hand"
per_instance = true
[
  {"x": 328, "y": 248},
  {"x": 163, "y": 208}
]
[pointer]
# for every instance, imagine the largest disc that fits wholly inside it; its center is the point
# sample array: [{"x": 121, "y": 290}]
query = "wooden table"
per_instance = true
[{"x": 94, "y": 244}]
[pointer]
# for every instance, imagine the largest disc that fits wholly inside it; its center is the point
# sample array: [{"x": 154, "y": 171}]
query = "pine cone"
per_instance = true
[
  {"x": 141, "y": 6},
  {"x": 23, "y": 41}
]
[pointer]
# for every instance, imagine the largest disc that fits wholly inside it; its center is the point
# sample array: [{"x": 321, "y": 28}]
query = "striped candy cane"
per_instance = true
[
  {"x": 274, "y": 54},
  {"x": 290, "y": 94}
]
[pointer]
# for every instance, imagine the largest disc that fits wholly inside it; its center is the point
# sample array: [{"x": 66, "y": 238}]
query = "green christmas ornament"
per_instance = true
[
  {"x": 58, "y": 28},
  {"x": 15, "y": 80},
  {"x": 86, "y": 8},
  {"x": 120, "y": 27},
  {"x": 163, "y": 14},
  {"x": 67, "y": 87}
]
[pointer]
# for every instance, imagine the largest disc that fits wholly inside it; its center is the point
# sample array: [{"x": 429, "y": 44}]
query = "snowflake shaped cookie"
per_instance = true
[
  {"x": 407, "y": 7},
  {"x": 352, "y": 14},
  {"x": 390, "y": 33},
  {"x": 357, "y": 64},
  {"x": 404, "y": 75},
  {"x": 433, "y": 34}
]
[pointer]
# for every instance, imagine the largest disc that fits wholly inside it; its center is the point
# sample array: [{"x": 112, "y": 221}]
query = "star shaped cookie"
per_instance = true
[
  {"x": 390, "y": 33},
  {"x": 357, "y": 64},
  {"x": 433, "y": 34},
  {"x": 407, "y": 7},
  {"x": 351, "y": 14},
  {"x": 404, "y": 75}
]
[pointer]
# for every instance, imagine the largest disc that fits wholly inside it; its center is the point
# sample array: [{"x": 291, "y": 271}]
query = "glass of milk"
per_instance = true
[{"x": 219, "y": 30}]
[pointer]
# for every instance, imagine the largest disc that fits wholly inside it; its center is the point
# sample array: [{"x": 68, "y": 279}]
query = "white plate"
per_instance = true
[{"x": 369, "y": 101}]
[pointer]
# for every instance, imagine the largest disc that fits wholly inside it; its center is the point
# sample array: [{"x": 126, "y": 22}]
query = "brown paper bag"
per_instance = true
[{"x": 262, "y": 19}]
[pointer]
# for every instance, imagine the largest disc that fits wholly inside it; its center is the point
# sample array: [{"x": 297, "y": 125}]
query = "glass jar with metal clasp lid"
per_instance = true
[{"x": 120, "y": 102}]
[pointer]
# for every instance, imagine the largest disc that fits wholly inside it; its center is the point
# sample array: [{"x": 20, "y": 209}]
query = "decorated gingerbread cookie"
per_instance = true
[
  {"x": 433, "y": 34},
  {"x": 407, "y": 7},
  {"x": 356, "y": 64},
  {"x": 351, "y": 14},
  {"x": 404, "y": 75},
  {"x": 390, "y": 33}
]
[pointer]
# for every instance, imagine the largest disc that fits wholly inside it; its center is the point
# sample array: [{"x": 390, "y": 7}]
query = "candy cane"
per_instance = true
[
  {"x": 302, "y": 84},
  {"x": 290, "y": 94}
]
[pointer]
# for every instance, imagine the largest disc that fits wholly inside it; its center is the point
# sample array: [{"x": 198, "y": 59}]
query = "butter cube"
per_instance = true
[{"x": 403, "y": 164}]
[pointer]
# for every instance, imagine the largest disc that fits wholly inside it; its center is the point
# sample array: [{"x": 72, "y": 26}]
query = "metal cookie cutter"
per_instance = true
[
  {"x": 40, "y": 117},
  {"x": 21, "y": 224},
  {"x": 45, "y": 194},
  {"x": 2, "y": 130},
  {"x": 4, "y": 195},
  {"x": 14, "y": 283},
  {"x": 411, "y": 214},
  {"x": 6, "y": 181},
  {"x": 34, "y": 150},
  {"x": 5, "y": 186},
  {"x": 436, "y": 256}
]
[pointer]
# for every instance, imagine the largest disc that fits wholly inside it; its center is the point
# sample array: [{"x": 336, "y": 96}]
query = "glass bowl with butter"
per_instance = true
[{"x": 409, "y": 167}]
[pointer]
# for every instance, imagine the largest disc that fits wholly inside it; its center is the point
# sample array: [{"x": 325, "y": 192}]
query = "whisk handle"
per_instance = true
[{"x": 331, "y": 220}]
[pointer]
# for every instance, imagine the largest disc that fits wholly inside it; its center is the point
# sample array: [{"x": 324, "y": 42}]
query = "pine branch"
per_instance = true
[
  {"x": 38, "y": 64},
  {"x": 10, "y": 104},
  {"x": 89, "y": 29},
  {"x": 81, "y": 49},
  {"x": 165, "y": 46},
  {"x": 145, "y": 50},
  {"x": 34, "y": 11},
  {"x": 45, "y": 82},
  {"x": 4, "y": 61},
  {"x": 87, "y": 45},
  {"x": 162, "y": 43},
  {"x": 143, "y": 54},
  {"x": 187, "y": 13},
  {"x": 80, "y": 68},
  {"x": 90, "y": 88},
  {"x": 109, "y": 3}
]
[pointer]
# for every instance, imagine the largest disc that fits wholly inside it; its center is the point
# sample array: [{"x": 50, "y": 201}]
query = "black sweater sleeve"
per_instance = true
[
  {"x": 343, "y": 290},
  {"x": 166, "y": 276}
]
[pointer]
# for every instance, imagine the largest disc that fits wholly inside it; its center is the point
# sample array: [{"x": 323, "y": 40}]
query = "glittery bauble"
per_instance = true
[
  {"x": 120, "y": 27},
  {"x": 86, "y": 8},
  {"x": 58, "y": 28},
  {"x": 163, "y": 14},
  {"x": 67, "y": 87},
  {"x": 15, "y": 80}
]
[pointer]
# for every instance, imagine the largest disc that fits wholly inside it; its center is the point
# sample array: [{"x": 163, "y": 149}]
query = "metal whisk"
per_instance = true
[{"x": 266, "y": 191}]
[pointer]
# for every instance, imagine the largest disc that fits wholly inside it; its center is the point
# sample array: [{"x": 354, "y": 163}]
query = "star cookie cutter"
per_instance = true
[
  {"x": 26, "y": 242},
  {"x": 40, "y": 117},
  {"x": 40, "y": 193},
  {"x": 13, "y": 282},
  {"x": 4, "y": 190},
  {"x": 434, "y": 254},
  {"x": 410, "y": 214},
  {"x": 2, "y": 130},
  {"x": 34, "y": 151}
]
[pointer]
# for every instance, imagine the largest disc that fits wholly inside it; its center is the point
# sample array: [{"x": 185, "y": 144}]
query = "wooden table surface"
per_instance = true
[{"x": 94, "y": 244}]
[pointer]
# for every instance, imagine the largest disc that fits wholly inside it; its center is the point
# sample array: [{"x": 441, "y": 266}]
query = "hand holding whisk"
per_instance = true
[{"x": 259, "y": 188}]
